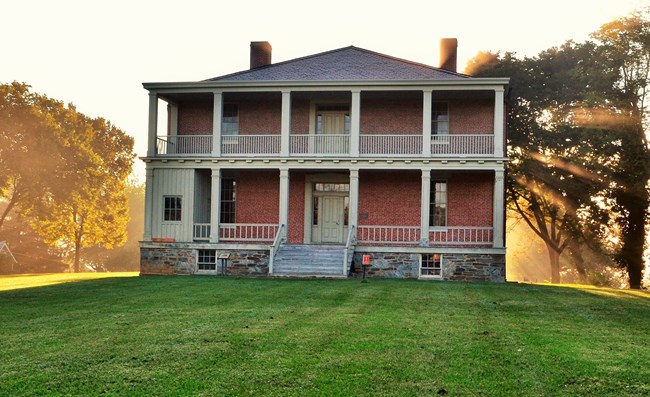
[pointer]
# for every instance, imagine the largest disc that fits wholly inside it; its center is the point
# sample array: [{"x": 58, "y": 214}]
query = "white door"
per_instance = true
[
  {"x": 332, "y": 138},
  {"x": 331, "y": 221}
]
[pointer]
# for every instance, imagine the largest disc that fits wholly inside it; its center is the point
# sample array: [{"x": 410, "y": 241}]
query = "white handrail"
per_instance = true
[
  {"x": 349, "y": 244},
  {"x": 389, "y": 234},
  {"x": 410, "y": 235},
  {"x": 201, "y": 232},
  {"x": 275, "y": 246},
  {"x": 247, "y": 232},
  {"x": 307, "y": 144},
  {"x": 183, "y": 144},
  {"x": 250, "y": 144},
  {"x": 398, "y": 144}
]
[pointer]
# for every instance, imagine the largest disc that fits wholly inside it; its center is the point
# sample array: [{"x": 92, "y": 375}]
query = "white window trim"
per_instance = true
[
  {"x": 207, "y": 272},
  {"x": 446, "y": 226},
  {"x": 446, "y": 141},
  {"x": 427, "y": 276},
  {"x": 163, "y": 209}
]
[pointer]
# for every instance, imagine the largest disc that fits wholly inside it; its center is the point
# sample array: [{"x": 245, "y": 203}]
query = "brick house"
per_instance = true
[{"x": 303, "y": 167}]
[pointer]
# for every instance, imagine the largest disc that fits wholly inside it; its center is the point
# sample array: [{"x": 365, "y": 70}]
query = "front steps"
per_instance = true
[{"x": 309, "y": 260}]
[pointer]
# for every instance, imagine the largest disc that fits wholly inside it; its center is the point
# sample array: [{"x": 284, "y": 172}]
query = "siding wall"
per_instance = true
[{"x": 173, "y": 182}]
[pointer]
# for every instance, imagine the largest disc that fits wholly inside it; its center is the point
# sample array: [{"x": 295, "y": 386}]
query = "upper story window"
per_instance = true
[
  {"x": 228, "y": 200},
  {"x": 172, "y": 208},
  {"x": 438, "y": 204},
  {"x": 440, "y": 118},
  {"x": 230, "y": 119}
]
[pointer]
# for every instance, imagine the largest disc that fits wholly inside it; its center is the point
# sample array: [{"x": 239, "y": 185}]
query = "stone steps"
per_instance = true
[{"x": 306, "y": 260}]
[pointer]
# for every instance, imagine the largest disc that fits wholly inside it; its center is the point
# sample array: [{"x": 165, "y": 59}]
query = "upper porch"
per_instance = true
[{"x": 449, "y": 121}]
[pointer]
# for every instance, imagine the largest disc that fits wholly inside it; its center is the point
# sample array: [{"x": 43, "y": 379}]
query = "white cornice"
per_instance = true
[{"x": 343, "y": 85}]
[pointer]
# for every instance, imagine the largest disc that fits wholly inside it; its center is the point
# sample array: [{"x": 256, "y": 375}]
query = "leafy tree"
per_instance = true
[
  {"x": 579, "y": 157},
  {"x": 66, "y": 171}
]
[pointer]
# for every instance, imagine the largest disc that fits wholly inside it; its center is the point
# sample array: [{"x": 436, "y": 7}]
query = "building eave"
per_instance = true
[{"x": 211, "y": 86}]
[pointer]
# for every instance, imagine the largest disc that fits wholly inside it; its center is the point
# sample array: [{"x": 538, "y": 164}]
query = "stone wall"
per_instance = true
[
  {"x": 459, "y": 267},
  {"x": 180, "y": 259}
]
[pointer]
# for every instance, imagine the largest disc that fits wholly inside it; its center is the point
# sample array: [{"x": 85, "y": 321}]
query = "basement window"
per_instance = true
[
  {"x": 431, "y": 266},
  {"x": 207, "y": 260}
]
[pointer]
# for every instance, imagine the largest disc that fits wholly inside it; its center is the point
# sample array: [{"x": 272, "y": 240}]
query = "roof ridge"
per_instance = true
[{"x": 411, "y": 62}]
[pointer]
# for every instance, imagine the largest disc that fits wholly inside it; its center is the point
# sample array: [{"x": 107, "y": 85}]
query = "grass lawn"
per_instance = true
[{"x": 171, "y": 336}]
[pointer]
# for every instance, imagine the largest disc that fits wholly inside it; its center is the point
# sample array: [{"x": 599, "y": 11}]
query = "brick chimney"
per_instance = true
[
  {"x": 448, "y": 52},
  {"x": 260, "y": 54}
]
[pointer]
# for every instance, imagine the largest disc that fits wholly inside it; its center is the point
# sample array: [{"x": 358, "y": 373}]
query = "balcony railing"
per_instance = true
[
  {"x": 184, "y": 145},
  {"x": 250, "y": 144},
  {"x": 319, "y": 144},
  {"x": 456, "y": 144},
  {"x": 247, "y": 232},
  {"x": 390, "y": 144},
  {"x": 201, "y": 232},
  {"x": 410, "y": 235},
  {"x": 370, "y": 145},
  {"x": 461, "y": 236}
]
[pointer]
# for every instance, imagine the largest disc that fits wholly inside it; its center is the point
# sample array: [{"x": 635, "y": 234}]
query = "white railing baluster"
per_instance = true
[{"x": 247, "y": 232}]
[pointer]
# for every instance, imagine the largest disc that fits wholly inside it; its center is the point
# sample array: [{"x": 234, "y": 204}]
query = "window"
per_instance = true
[
  {"x": 438, "y": 204},
  {"x": 431, "y": 265},
  {"x": 439, "y": 118},
  {"x": 315, "y": 215},
  {"x": 228, "y": 200},
  {"x": 230, "y": 119},
  {"x": 207, "y": 260},
  {"x": 332, "y": 187},
  {"x": 172, "y": 208}
]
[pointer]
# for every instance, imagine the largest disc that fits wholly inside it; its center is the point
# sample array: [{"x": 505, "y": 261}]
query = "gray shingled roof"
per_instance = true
[{"x": 348, "y": 63}]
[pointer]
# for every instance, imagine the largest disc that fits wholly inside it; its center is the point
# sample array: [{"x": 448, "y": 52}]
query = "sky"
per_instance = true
[{"x": 96, "y": 54}]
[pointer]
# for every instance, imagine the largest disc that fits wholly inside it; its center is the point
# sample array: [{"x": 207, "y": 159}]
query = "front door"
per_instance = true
[
  {"x": 332, "y": 130},
  {"x": 332, "y": 219}
]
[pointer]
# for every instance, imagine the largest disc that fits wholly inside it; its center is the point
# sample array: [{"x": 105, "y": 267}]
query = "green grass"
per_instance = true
[{"x": 171, "y": 336}]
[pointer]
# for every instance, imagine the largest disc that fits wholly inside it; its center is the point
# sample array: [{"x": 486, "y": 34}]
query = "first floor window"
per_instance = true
[
  {"x": 172, "y": 208},
  {"x": 228, "y": 200},
  {"x": 438, "y": 204},
  {"x": 207, "y": 260},
  {"x": 431, "y": 265}
]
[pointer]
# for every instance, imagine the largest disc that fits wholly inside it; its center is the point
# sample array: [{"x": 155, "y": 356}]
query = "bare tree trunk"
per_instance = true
[
  {"x": 554, "y": 259},
  {"x": 578, "y": 261}
]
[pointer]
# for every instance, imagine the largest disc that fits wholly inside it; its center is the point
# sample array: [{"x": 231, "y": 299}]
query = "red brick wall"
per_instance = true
[
  {"x": 296, "y": 207},
  {"x": 299, "y": 115},
  {"x": 258, "y": 196},
  {"x": 470, "y": 199},
  {"x": 195, "y": 118},
  {"x": 260, "y": 114},
  {"x": 471, "y": 116},
  {"x": 389, "y": 198},
  {"x": 391, "y": 113}
]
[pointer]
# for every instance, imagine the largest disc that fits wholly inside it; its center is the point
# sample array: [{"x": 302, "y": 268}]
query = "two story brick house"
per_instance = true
[{"x": 304, "y": 167}]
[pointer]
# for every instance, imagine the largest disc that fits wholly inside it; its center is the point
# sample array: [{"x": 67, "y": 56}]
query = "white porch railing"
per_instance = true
[
  {"x": 247, "y": 232},
  {"x": 389, "y": 234},
  {"x": 319, "y": 144},
  {"x": 390, "y": 144},
  {"x": 275, "y": 247},
  {"x": 183, "y": 144},
  {"x": 457, "y": 144},
  {"x": 250, "y": 144},
  {"x": 465, "y": 235},
  {"x": 201, "y": 232}
]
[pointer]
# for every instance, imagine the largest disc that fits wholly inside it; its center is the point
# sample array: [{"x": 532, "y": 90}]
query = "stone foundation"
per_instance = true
[
  {"x": 179, "y": 259},
  {"x": 460, "y": 267}
]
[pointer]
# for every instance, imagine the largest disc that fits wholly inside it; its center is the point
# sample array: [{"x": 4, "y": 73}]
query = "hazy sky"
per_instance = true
[{"x": 97, "y": 53}]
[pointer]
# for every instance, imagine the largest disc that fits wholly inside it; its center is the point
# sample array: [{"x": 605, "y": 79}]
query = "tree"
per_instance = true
[
  {"x": 579, "y": 158},
  {"x": 65, "y": 171}
]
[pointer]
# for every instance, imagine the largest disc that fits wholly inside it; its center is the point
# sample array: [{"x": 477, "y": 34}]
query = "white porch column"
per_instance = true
[
  {"x": 148, "y": 204},
  {"x": 215, "y": 205},
  {"x": 498, "y": 122},
  {"x": 497, "y": 209},
  {"x": 425, "y": 202},
  {"x": 285, "y": 124},
  {"x": 355, "y": 123},
  {"x": 153, "y": 124},
  {"x": 284, "y": 198},
  {"x": 216, "y": 123},
  {"x": 426, "y": 123},
  {"x": 354, "y": 198}
]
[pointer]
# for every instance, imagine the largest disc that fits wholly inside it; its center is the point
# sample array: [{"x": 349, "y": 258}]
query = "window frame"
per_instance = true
[
  {"x": 211, "y": 254},
  {"x": 226, "y": 132},
  {"x": 439, "y": 268},
  {"x": 433, "y": 202},
  {"x": 232, "y": 213},
  {"x": 168, "y": 210},
  {"x": 437, "y": 137}
]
